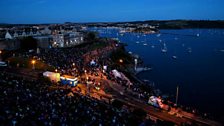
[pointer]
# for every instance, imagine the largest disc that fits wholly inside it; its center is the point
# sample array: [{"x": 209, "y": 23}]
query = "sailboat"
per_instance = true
[
  {"x": 164, "y": 49},
  {"x": 189, "y": 50}
]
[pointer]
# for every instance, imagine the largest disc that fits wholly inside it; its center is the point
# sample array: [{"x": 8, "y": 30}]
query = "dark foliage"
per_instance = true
[
  {"x": 28, "y": 43},
  {"x": 90, "y": 36}
]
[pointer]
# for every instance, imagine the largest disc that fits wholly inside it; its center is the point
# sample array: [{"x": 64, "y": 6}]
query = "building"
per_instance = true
[
  {"x": 44, "y": 41},
  {"x": 46, "y": 31},
  {"x": 67, "y": 39},
  {"x": 8, "y": 35},
  {"x": 9, "y": 44},
  {"x": 58, "y": 40}
]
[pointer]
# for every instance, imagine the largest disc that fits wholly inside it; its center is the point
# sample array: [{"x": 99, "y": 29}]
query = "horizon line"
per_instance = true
[{"x": 115, "y": 21}]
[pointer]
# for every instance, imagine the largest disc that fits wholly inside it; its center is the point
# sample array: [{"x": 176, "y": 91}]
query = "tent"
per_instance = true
[
  {"x": 69, "y": 80},
  {"x": 116, "y": 73},
  {"x": 92, "y": 63},
  {"x": 154, "y": 101},
  {"x": 52, "y": 76}
]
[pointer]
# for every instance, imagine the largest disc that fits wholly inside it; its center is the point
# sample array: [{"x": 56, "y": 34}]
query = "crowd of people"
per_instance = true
[{"x": 32, "y": 102}]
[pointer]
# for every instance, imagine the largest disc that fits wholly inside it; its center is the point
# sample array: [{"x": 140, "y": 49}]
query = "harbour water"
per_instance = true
[{"x": 193, "y": 59}]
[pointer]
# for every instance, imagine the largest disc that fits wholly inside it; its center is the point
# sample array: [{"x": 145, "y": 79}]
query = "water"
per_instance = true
[{"x": 198, "y": 68}]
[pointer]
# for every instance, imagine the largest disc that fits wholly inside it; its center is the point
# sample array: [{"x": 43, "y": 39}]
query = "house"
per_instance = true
[{"x": 8, "y": 35}]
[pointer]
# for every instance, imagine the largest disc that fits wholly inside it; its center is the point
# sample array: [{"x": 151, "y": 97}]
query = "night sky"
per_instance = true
[{"x": 60, "y": 11}]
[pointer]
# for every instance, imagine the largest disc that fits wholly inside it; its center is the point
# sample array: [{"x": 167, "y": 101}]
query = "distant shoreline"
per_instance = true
[{"x": 160, "y": 24}]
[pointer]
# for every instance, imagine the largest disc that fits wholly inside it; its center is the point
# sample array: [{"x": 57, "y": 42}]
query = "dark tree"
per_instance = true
[
  {"x": 28, "y": 43},
  {"x": 90, "y": 36}
]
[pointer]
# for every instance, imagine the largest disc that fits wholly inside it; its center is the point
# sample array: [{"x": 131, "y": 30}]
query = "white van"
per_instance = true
[{"x": 3, "y": 64}]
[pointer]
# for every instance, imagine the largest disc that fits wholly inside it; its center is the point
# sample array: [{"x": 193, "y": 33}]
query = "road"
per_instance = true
[{"x": 152, "y": 111}]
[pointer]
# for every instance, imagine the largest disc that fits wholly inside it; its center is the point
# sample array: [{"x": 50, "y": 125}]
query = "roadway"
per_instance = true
[{"x": 118, "y": 92}]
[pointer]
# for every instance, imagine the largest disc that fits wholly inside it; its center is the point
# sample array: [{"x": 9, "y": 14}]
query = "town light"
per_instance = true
[
  {"x": 56, "y": 70},
  {"x": 121, "y": 61},
  {"x": 33, "y": 62},
  {"x": 0, "y": 51}
]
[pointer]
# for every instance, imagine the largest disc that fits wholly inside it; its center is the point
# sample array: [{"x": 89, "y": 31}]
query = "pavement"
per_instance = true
[{"x": 119, "y": 93}]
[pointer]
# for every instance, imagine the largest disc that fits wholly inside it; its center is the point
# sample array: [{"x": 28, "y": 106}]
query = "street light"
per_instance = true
[
  {"x": 0, "y": 55},
  {"x": 33, "y": 62},
  {"x": 56, "y": 70},
  {"x": 85, "y": 73},
  {"x": 121, "y": 61}
]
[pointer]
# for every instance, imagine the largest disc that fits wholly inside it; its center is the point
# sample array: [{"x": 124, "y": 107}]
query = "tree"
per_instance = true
[
  {"x": 90, "y": 36},
  {"x": 28, "y": 43}
]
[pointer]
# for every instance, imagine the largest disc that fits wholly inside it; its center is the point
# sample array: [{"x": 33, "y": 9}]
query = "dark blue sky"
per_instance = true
[{"x": 60, "y": 11}]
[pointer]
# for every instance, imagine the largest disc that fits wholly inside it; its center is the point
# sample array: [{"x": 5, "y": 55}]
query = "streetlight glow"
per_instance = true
[
  {"x": 121, "y": 61},
  {"x": 33, "y": 62}
]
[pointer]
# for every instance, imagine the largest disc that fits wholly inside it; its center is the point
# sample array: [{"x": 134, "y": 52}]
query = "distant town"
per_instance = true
[{"x": 71, "y": 34}]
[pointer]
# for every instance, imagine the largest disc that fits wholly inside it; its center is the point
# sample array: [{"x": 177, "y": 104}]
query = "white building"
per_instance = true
[
  {"x": 67, "y": 39},
  {"x": 46, "y": 31},
  {"x": 58, "y": 40},
  {"x": 8, "y": 35}
]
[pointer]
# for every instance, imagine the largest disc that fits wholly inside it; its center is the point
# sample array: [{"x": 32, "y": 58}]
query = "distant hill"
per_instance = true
[
  {"x": 179, "y": 24},
  {"x": 170, "y": 24},
  {"x": 161, "y": 24}
]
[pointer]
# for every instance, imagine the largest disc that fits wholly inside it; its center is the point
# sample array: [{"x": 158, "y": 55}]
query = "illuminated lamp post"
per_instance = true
[
  {"x": 0, "y": 55},
  {"x": 86, "y": 75},
  {"x": 177, "y": 93},
  {"x": 33, "y": 63},
  {"x": 121, "y": 61}
]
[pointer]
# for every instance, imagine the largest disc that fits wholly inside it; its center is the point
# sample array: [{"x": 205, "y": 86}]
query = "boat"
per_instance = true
[
  {"x": 145, "y": 44},
  {"x": 137, "y": 42},
  {"x": 121, "y": 34},
  {"x": 198, "y": 35},
  {"x": 153, "y": 46},
  {"x": 145, "y": 80},
  {"x": 174, "y": 57},
  {"x": 189, "y": 50},
  {"x": 164, "y": 49},
  {"x": 130, "y": 52},
  {"x": 122, "y": 31},
  {"x": 222, "y": 50}
]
